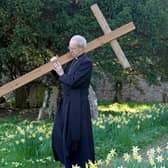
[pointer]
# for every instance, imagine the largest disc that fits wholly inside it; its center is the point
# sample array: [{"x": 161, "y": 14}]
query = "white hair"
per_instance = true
[{"x": 79, "y": 40}]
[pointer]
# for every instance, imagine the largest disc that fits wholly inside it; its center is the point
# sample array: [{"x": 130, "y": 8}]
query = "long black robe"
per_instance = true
[{"x": 72, "y": 139}]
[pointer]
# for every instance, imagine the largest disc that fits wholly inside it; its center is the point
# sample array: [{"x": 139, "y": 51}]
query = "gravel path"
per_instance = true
[{"x": 162, "y": 143}]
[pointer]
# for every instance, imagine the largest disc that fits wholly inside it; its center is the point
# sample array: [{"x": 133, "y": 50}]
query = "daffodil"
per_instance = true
[
  {"x": 33, "y": 135},
  {"x": 99, "y": 162},
  {"x": 138, "y": 158},
  {"x": 17, "y": 142},
  {"x": 22, "y": 140},
  {"x": 47, "y": 136},
  {"x": 91, "y": 164},
  {"x": 118, "y": 126},
  {"x": 40, "y": 130},
  {"x": 76, "y": 166},
  {"x": 107, "y": 162},
  {"x": 151, "y": 153},
  {"x": 40, "y": 138},
  {"x": 159, "y": 159},
  {"x": 158, "y": 150},
  {"x": 127, "y": 157},
  {"x": 151, "y": 161},
  {"x": 166, "y": 146},
  {"x": 135, "y": 149}
]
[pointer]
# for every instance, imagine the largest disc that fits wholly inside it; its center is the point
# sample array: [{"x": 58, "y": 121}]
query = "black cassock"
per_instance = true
[{"x": 72, "y": 138}]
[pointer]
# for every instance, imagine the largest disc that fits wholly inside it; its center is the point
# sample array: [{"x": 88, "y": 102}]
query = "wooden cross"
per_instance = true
[
  {"x": 98, "y": 42},
  {"x": 106, "y": 29}
]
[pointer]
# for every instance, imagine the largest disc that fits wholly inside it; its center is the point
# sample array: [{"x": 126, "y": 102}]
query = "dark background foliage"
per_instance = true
[{"x": 32, "y": 31}]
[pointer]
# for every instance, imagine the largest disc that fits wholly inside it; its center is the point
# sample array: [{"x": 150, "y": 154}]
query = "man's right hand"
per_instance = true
[
  {"x": 57, "y": 66},
  {"x": 54, "y": 58}
]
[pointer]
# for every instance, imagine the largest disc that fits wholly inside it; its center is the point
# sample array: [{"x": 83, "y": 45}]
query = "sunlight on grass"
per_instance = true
[{"x": 130, "y": 108}]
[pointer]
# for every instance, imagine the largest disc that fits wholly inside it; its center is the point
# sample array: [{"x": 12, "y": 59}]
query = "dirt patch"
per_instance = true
[
  {"x": 28, "y": 114},
  {"x": 4, "y": 112}
]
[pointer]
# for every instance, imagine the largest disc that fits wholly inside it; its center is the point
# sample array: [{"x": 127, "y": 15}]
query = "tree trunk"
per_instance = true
[
  {"x": 93, "y": 103},
  {"x": 49, "y": 105}
]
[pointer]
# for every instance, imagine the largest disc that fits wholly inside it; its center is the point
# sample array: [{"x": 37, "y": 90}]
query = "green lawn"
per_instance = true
[{"x": 121, "y": 130}]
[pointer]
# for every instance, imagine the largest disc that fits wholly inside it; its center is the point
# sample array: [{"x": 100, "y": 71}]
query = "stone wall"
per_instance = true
[{"x": 137, "y": 91}]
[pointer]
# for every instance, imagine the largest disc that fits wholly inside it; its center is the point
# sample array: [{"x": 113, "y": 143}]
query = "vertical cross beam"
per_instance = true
[{"x": 106, "y": 29}]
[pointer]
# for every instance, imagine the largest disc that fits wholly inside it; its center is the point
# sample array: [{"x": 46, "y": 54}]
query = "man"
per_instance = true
[{"x": 72, "y": 139}]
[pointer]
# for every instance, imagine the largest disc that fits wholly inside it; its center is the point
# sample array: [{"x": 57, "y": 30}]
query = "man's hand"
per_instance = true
[
  {"x": 54, "y": 58},
  {"x": 57, "y": 66}
]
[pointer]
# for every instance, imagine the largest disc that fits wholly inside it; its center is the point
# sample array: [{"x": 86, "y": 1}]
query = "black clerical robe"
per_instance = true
[{"x": 72, "y": 139}]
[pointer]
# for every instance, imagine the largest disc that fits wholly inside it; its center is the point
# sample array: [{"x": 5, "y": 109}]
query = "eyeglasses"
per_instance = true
[{"x": 71, "y": 49}]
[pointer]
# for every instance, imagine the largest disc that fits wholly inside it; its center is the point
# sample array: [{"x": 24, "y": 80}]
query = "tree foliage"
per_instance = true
[{"x": 32, "y": 31}]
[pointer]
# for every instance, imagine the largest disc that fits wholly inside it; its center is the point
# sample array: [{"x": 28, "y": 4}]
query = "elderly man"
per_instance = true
[{"x": 72, "y": 139}]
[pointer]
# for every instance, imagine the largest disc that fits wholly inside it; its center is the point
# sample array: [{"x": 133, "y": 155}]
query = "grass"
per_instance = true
[
  {"x": 131, "y": 129},
  {"x": 120, "y": 127}
]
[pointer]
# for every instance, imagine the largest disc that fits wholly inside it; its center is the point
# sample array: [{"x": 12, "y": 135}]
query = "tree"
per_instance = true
[{"x": 32, "y": 31}]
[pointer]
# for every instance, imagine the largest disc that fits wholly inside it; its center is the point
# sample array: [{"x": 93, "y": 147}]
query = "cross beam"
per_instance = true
[
  {"x": 106, "y": 29},
  {"x": 98, "y": 42}
]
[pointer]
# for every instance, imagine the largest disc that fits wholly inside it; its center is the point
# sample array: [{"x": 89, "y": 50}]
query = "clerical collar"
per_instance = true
[{"x": 76, "y": 58}]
